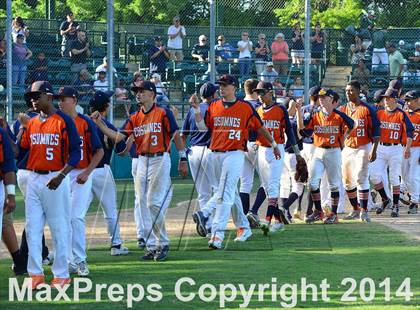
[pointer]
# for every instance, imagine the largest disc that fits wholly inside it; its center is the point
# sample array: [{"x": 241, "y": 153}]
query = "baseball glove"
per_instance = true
[{"x": 301, "y": 174}]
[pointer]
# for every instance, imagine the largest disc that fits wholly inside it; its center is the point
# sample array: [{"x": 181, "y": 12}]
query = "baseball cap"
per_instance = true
[
  {"x": 66, "y": 92},
  {"x": 313, "y": 91},
  {"x": 401, "y": 42},
  {"x": 146, "y": 85},
  {"x": 270, "y": 64},
  {"x": 227, "y": 79},
  {"x": 100, "y": 98},
  {"x": 40, "y": 87},
  {"x": 395, "y": 84},
  {"x": 378, "y": 95},
  {"x": 157, "y": 38},
  {"x": 263, "y": 87},
  {"x": 208, "y": 89},
  {"x": 326, "y": 92},
  {"x": 20, "y": 35},
  {"x": 391, "y": 93},
  {"x": 102, "y": 72},
  {"x": 412, "y": 94}
]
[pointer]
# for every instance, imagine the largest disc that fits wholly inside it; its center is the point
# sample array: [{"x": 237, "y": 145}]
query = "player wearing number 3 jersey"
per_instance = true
[
  {"x": 328, "y": 127},
  {"x": 394, "y": 125}
]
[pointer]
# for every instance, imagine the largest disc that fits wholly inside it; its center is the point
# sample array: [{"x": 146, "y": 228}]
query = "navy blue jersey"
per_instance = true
[
  {"x": 288, "y": 147},
  {"x": 189, "y": 128},
  {"x": 307, "y": 112},
  {"x": 253, "y": 134}
]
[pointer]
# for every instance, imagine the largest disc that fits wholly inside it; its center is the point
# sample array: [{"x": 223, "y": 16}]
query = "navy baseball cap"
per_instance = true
[
  {"x": 227, "y": 79},
  {"x": 377, "y": 97},
  {"x": 100, "y": 99},
  {"x": 145, "y": 85},
  {"x": 313, "y": 91},
  {"x": 40, "y": 87},
  {"x": 157, "y": 38},
  {"x": 208, "y": 89},
  {"x": 395, "y": 84},
  {"x": 263, "y": 87},
  {"x": 390, "y": 93},
  {"x": 67, "y": 91},
  {"x": 328, "y": 93},
  {"x": 412, "y": 94}
]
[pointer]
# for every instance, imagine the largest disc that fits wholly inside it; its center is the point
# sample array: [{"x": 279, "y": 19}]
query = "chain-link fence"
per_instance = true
[{"x": 169, "y": 42}]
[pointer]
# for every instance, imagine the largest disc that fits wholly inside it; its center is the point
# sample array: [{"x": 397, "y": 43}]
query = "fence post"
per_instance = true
[
  {"x": 9, "y": 81},
  {"x": 212, "y": 42},
  {"x": 110, "y": 53},
  {"x": 307, "y": 48}
]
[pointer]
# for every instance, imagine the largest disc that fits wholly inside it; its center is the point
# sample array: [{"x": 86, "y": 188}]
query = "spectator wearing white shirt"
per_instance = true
[
  {"x": 19, "y": 27},
  {"x": 101, "y": 83},
  {"x": 245, "y": 49},
  {"x": 176, "y": 33},
  {"x": 104, "y": 67}
]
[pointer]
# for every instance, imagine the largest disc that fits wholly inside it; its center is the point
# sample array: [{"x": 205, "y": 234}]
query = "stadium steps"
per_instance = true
[{"x": 336, "y": 78}]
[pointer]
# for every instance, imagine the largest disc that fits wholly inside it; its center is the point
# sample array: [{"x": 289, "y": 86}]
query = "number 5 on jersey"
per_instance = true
[{"x": 49, "y": 153}]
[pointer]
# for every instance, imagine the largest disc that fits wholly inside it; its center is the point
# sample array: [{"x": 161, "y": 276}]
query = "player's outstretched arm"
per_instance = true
[
  {"x": 195, "y": 104},
  {"x": 180, "y": 146},
  {"x": 112, "y": 134}
]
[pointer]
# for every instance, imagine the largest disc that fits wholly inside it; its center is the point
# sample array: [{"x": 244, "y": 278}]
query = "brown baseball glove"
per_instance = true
[{"x": 301, "y": 174}]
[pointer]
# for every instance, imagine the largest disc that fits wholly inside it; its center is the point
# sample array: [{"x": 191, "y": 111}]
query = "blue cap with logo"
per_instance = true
[
  {"x": 67, "y": 91},
  {"x": 208, "y": 89}
]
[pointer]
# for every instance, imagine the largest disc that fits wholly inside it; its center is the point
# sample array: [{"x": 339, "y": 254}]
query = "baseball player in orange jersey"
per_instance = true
[
  {"x": 80, "y": 179},
  {"x": 153, "y": 128},
  {"x": 394, "y": 124},
  {"x": 329, "y": 127},
  {"x": 53, "y": 147},
  {"x": 229, "y": 120},
  {"x": 411, "y": 166},
  {"x": 358, "y": 151}
]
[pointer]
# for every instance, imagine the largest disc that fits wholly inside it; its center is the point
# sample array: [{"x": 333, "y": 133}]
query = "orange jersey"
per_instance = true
[
  {"x": 414, "y": 117},
  {"x": 90, "y": 140},
  {"x": 51, "y": 142},
  {"x": 230, "y": 125},
  {"x": 366, "y": 125},
  {"x": 328, "y": 130},
  {"x": 152, "y": 130},
  {"x": 394, "y": 125},
  {"x": 274, "y": 119}
]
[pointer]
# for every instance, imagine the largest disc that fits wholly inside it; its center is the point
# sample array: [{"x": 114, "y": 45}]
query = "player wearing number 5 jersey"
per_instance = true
[
  {"x": 394, "y": 125},
  {"x": 91, "y": 154},
  {"x": 153, "y": 128},
  {"x": 329, "y": 127},
  {"x": 229, "y": 120},
  {"x": 53, "y": 147},
  {"x": 358, "y": 151},
  {"x": 411, "y": 166}
]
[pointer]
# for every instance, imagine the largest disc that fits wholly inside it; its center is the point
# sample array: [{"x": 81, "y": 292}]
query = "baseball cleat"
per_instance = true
[
  {"x": 200, "y": 221},
  {"x": 72, "y": 268},
  {"x": 60, "y": 282},
  {"x": 19, "y": 269},
  {"x": 395, "y": 212},
  {"x": 253, "y": 219},
  {"x": 297, "y": 215},
  {"x": 215, "y": 243},
  {"x": 353, "y": 215},
  {"x": 149, "y": 255},
  {"x": 314, "y": 217},
  {"x": 141, "y": 243},
  {"x": 405, "y": 198},
  {"x": 332, "y": 218},
  {"x": 82, "y": 269},
  {"x": 265, "y": 227},
  {"x": 162, "y": 253},
  {"x": 37, "y": 280},
  {"x": 283, "y": 215},
  {"x": 243, "y": 234},
  {"x": 384, "y": 205},
  {"x": 49, "y": 260},
  {"x": 120, "y": 250},
  {"x": 277, "y": 226},
  {"x": 413, "y": 208},
  {"x": 364, "y": 216}
]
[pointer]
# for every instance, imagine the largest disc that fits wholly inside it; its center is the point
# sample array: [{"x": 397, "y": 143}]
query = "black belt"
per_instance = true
[
  {"x": 328, "y": 147},
  {"x": 223, "y": 151},
  {"x": 152, "y": 154},
  {"x": 44, "y": 171},
  {"x": 388, "y": 144}
]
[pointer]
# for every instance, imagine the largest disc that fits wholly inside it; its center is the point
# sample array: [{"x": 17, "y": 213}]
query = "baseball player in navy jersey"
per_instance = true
[
  {"x": 103, "y": 183},
  {"x": 80, "y": 178},
  {"x": 198, "y": 155}
]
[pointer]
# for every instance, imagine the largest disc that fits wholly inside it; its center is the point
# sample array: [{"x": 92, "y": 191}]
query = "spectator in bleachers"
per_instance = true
[
  {"x": 245, "y": 49},
  {"x": 19, "y": 27},
  {"x": 68, "y": 30},
  {"x": 269, "y": 74},
  {"x": 104, "y": 67},
  {"x": 200, "y": 50},
  {"x": 40, "y": 68},
  {"x": 367, "y": 21},
  {"x": 176, "y": 33},
  {"x": 161, "y": 95},
  {"x": 379, "y": 41},
  {"x": 20, "y": 54},
  {"x": 416, "y": 57},
  {"x": 318, "y": 40},
  {"x": 298, "y": 50},
  {"x": 357, "y": 51},
  {"x": 262, "y": 50},
  {"x": 296, "y": 89},
  {"x": 159, "y": 56},
  {"x": 79, "y": 52},
  {"x": 402, "y": 47},
  {"x": 121, "y": 93},
  {"x": 137, "y": 79},
  {"x": 280, "y": 54},
  {"x": 83, "y": 85},
  {"x": 396, "y": 62},
  {"x": 362, "y": 74},
  {"x": 101, "y": 83},
  {"x": 223, "y": 50}
]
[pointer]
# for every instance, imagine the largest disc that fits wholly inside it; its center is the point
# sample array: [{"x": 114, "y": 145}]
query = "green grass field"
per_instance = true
[{"x": 315, "y": 252}]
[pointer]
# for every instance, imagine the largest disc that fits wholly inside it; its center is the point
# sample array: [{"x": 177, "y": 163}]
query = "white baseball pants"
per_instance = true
[
  {"x": 411, "y": 174},
  {"x": 270, "y": 169},
  {"x": 387, "y": 157},
  {"x": 356, "y": 167},
  {"x": 247, "y": 173},
  {"x": 328, "y": 160}
]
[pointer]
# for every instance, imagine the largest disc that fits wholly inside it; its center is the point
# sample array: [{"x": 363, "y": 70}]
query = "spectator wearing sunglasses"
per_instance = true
[
  {"x": 200, "y": 51},
  {"x": 223, "y": 50}
]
